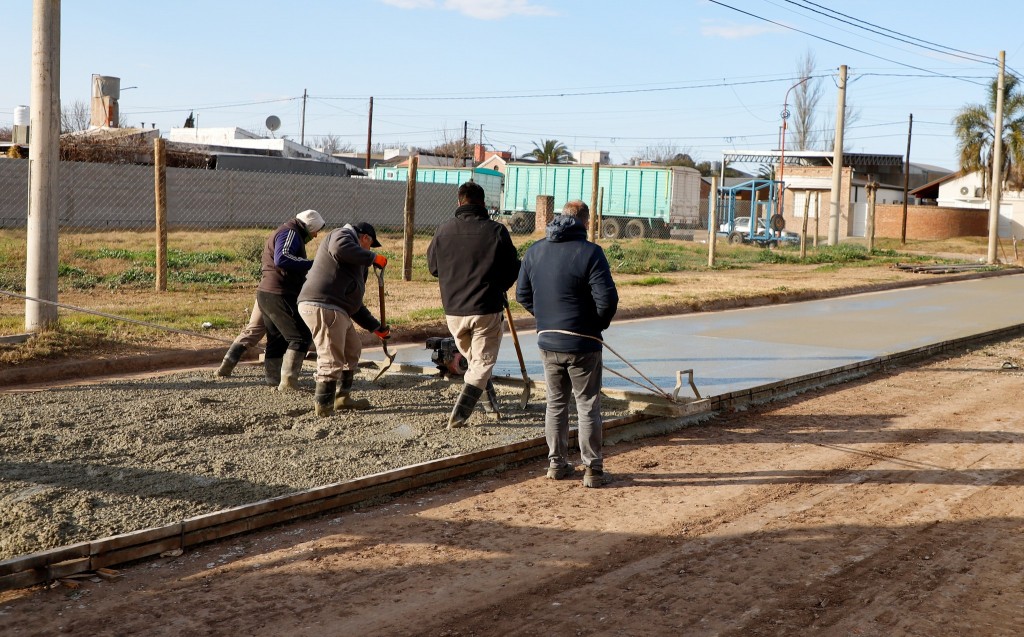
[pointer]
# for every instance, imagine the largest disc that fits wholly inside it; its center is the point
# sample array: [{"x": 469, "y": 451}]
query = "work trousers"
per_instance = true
[
  {"x": 336, "y": 340},
  {"x": 478, "y": 339},
  {"x": 285, "y": 328},
  {"x": 579, "y": 374},
  {"x": 253, "y": 333}
]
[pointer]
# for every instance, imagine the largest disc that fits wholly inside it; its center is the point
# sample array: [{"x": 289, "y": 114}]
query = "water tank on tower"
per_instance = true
[
  {"x": 21, "y": 121},
  {"x": 103, "y": 109}
]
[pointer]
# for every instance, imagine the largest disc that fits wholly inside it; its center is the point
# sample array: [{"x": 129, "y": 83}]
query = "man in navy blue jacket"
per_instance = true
[{"x": 566, "y": 283}]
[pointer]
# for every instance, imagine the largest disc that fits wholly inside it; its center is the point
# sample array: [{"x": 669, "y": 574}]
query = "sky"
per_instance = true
[{"x": 693, "y": 76}]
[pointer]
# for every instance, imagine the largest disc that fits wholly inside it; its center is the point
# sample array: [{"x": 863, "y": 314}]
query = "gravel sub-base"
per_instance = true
[{"x": 84, "y": 462}]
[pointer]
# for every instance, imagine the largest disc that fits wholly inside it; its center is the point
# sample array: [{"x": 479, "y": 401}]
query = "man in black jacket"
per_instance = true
[
  {"x": 284, "y": 271},
  {"x": 331, "y": 305},
  {"x": 476, "y": 263},
  {"x": 566, "y": 283}
]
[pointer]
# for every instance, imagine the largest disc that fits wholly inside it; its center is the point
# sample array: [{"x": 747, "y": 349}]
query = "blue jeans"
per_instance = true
[{"x": 579, "y": 373}]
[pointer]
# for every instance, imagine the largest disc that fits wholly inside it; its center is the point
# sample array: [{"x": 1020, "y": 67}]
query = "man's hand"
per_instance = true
[
  {"x": 383, "y": 332},
  {"x": 380, "y": 261}
]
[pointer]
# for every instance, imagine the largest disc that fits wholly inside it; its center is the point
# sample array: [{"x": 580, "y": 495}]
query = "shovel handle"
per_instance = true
[{"x": 515, "y": 340}]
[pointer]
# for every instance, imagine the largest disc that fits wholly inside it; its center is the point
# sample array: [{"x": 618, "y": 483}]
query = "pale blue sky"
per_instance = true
[{"x": 699, "y": 75}]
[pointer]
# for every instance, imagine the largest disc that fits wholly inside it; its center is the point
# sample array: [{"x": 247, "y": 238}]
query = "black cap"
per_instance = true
[{"x": 364, "y": 228}]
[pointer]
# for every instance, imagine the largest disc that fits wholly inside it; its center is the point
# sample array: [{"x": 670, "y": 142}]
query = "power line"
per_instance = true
[{"x": 818, "y": 37}]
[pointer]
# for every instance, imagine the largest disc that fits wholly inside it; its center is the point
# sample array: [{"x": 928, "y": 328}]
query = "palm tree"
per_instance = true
[
  {"x": 550, "y": 151},
  {"x": 975, "y": 132}
]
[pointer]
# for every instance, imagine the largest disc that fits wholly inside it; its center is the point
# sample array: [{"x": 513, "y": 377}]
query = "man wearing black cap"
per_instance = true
[{"x": 331, "y": 304}]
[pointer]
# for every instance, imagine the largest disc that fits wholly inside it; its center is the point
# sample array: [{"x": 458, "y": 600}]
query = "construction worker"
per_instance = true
[
  {"x": 331, "y": 305},
  {"x": 284, "y": 271},
  {"x": 566, "y": 283},
  {"x": 475, "y": 262}
]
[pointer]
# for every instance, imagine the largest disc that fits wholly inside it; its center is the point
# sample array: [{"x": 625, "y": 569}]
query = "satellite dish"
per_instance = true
[{"x": 273, "y": 123}]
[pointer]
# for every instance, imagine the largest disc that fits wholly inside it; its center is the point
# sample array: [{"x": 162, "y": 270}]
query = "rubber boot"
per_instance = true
[
  {"x": 291, "y": 366},
  {"x": 235, "y": 353},
  {"x": 324, "y": 398},
  {"x": 491, "y": 405},
  {"x": 344, "y": 398},
  {"x": 464, "y": 406},
  {"x": 272, "y": 368}
]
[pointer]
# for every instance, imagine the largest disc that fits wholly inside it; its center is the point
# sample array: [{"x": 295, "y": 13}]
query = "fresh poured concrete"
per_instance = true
[{"x": 742, "y": 349}]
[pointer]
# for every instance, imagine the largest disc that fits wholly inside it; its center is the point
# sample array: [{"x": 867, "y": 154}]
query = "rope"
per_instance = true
[
  {"x": 118, "y": 318},
  {"x": 652, "y": 387}
]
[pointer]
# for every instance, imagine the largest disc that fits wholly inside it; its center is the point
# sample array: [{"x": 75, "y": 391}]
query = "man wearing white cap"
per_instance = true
[{"x": 284, "y": 271}]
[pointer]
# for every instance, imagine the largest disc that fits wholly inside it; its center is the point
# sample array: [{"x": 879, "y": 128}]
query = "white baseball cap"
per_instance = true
[{"x": 311, "y": 219}]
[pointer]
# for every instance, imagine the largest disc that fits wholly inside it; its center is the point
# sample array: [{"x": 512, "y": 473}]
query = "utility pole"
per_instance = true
[
  {"x": 465, "y": 141},
  {"x": 997, "y": 165},
  {"x": 302, "y": 130},
  {"x": 44, "y": 161},
  {"x": 837, "y": 162},
  {"x": 906, "y": 183},
  {"x": 369, "y": 133}
]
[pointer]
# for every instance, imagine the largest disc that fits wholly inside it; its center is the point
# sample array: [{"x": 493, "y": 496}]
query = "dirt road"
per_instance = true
[{"x": 889, "y": 506}]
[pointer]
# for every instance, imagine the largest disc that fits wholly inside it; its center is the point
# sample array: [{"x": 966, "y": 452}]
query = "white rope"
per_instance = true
[{"x": 652, "y": 387}]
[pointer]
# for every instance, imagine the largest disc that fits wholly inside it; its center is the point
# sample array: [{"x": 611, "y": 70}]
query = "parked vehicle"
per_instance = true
[
  {"x": 490, "y": 180},
  {"x": 639, "y": 201},
  {"x": 760, "y": 199}
]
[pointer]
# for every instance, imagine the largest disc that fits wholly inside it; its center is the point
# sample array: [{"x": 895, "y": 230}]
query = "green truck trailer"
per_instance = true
[
  {"x": 639, "y": 201},
  {"x": 489, "y": 180}
]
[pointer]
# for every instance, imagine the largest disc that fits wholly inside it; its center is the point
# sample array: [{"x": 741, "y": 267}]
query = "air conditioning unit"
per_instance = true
[
  {"x": 964, "y": 190},
  {"x": 979, "y": 192}
]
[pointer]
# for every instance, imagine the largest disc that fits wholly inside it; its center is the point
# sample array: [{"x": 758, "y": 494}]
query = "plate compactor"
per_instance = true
[{"x": 446, "y": 356}]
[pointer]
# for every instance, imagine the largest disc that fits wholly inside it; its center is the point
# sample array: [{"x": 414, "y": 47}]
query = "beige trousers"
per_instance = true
[
  {"x": 336, "y": 340},
  {"x": 478, "y": 339}
]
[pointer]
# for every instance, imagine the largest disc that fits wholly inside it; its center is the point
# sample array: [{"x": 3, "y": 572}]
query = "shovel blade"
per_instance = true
[{"x": 525, "y": 398}]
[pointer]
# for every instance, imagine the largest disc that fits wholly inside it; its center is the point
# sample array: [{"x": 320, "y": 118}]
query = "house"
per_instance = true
[{"x": 962, "y": 191}]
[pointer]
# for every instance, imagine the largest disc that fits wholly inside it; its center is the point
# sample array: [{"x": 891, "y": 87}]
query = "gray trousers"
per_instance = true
[{"x": 580, "y": 374}]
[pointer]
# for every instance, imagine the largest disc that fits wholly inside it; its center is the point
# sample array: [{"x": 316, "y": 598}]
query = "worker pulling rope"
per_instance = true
[{"x": 652, "y": 387}]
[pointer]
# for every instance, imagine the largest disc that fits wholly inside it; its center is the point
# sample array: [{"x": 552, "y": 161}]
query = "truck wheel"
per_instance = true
[
  {"x": 636, "y": 229},
  {"x": 521, "y": 223},
  {"x": 735, "y": 238},
  {"x": 610, "y": 229}
]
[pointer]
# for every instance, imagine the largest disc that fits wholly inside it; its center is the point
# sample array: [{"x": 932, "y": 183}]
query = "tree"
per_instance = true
[
  {"x": 663, "y": 153},
  {"x": 74, "y": 117},
  {"x": 550, "y": 151},
  {"x": 331, "y": 144},
  {"x": 6, "y": 133},
  {"x": 805, "y": 103},
  {"x": 974, "y": 126}
]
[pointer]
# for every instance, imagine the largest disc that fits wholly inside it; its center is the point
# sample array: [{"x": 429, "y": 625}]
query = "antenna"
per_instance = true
[{"x": 273, "y": 123}]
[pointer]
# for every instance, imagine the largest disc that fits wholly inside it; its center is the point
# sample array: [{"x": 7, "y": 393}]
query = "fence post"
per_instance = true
[
  {"x": 872, "y": 189},
  {"x": 160, "y": 174},
  {"x": 803, "y": 227},
  {"x": 409, "y": 223},
  {"x": 592, "y": 225},
  {"x": 600, "y": 216},
  {"x": 712, "y": 221}
]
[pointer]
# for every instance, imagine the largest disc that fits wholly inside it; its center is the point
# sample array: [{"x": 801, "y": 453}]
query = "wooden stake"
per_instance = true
[
  {"x": 160, "y": 174},
  {"x": 409, "y": 225}
]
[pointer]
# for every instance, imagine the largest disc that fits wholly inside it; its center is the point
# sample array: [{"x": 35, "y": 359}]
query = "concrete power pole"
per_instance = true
[
  {"x": 44, "y": 157},
  {"x": 302, "y": 130},
  {"x": 837, "y": 162},
  {"x": 997, "y": 165}
]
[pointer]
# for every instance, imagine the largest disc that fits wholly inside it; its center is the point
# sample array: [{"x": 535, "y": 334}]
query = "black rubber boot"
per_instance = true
[
  {"x": 344, "y": 396},
  {"x": 291, "y": 366},
  {"x": 272, "y": 368},
  {"x": 324, "y": 398},
  {"x": 464, "y": 406},
  {"x": 235, "y": 353},
  {"x": 491, "y": 405}
]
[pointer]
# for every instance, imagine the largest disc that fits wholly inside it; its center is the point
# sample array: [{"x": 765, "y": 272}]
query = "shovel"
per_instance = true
[
  {"x": 527, "y": 383},
  {"x": 379, "y": 272}
]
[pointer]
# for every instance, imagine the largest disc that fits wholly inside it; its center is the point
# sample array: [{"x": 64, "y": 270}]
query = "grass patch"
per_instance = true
[
  {"x": 426, "y": 314},
  {"x": 649, "y": 281}
]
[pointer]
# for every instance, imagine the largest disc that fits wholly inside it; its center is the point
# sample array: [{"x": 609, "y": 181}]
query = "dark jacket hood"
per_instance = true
[{"x": 564, "y": 228}]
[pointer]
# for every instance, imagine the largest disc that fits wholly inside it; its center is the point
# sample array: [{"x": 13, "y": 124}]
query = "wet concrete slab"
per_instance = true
[{"x": 743, "y": 349}]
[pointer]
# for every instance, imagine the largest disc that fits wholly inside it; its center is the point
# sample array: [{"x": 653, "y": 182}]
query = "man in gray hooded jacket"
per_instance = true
[{"x": 331, "y": 304}]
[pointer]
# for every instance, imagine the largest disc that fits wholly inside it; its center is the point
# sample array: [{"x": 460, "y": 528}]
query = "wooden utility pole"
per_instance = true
[
  {"x": 409, "y": 225},
  {"x": 712, "y": 221},
  {"x": 302, "y": 129},
  {"x": 160, "y": 192},
  {"x": 594, "y": 191},
  {"x": 906, "y": 183},
  {"x": 369, "y": 133},
  {"x": 803, "y": 226},
  {"x": 837, "y": 162},
  {"x": 44, "y": 160},
  {"x": 465, "y": 141},
  {"x": 872, "y": 188},
  {"x": 997, "y": 164}
]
